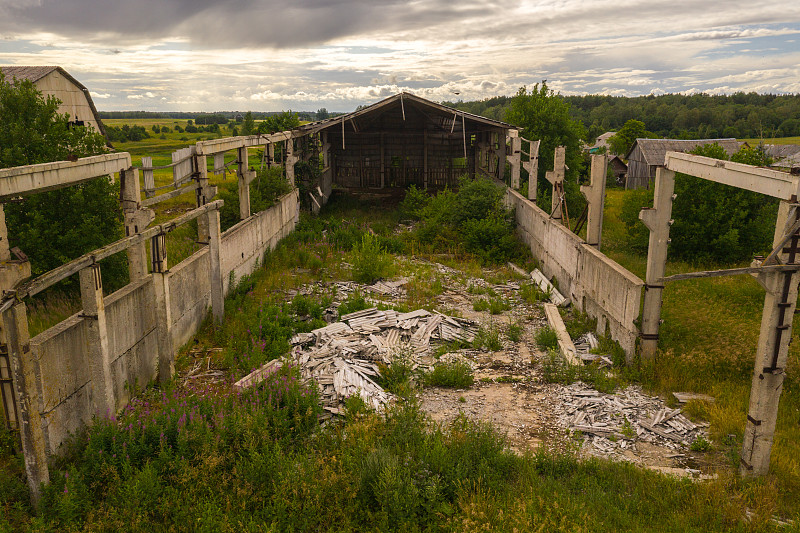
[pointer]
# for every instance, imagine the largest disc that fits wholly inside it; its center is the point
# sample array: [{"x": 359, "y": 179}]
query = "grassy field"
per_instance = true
[{"x": 708, "y": 342}]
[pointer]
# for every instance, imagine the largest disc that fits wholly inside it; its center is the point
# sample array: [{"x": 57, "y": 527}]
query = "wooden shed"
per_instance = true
[
  {"x": 55, "y": 81},
  {"x": 646, "y": 155},
  {"x": 405, "y": 140}
]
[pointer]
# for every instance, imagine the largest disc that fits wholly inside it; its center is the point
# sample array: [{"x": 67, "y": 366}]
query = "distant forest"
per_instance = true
[
  {"x": 699, "y": 116},
  {"x": 220, "y": 117}
]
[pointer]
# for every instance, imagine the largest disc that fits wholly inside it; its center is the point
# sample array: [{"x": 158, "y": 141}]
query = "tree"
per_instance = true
[
  {"x": 249, "y": 125},
  {"x": 622, "y": 141},
  {"x": 56, "y": 226},
  {"x": 713, "y": 222},
  {"x": 279, "y": 122},
  {"x": 545, "y": 116},
  {"x": 322, "y": 114}
]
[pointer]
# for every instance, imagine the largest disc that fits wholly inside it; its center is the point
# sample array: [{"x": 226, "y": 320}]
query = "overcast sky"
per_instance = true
[{"x": 266, "y": 55}]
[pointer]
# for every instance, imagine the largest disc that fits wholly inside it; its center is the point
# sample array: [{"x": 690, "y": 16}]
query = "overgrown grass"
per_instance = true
[
  {"x": 555, "y": 369},
  {"x": 453, "y": 374},
  {"x": 707, "y": 344},
  {"x": 546, "y": 338},
  {"x": 259, "y": 461}
]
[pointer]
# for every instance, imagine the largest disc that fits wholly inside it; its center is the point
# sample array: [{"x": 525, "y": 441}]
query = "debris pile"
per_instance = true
[
  {"x": 342, "y": 357},
  {"x": 614, "y": 422}
]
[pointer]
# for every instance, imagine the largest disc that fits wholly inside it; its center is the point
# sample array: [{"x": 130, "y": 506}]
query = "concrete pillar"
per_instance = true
[
  {"x": 204, "y": 193},
  {"x": 94, "y": 313},
  {"x": 556, "y": 178},
  {"x": 5, "y": 249},
  {"x": 595, "y": 194},
  {"x": 136, "y": 220},
  {"x": 166, "y": 352},
  {"x": 242, "y": 173},
  {"x": 515, "y": 159},
  {"x": 24, "y": 373},
  {"x": 771, "y": 354},
  {"x": 657, "y": 220},
  {"x": 291, "y": 159},
  {"x": 215, "y": 261}
]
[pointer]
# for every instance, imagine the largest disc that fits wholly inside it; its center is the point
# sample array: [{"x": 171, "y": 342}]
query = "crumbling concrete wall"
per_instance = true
[
  {"x": 242, "y": 249},
  {"x": 594, "y": 283},
  {"x": 63, "y": 376}
]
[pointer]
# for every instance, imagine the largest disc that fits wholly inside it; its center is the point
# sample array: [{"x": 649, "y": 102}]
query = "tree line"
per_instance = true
[{"x": 678, "y": 116}]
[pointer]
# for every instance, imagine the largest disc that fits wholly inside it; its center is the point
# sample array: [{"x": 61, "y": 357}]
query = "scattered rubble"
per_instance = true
[
  {"x": 342, "y": 357},
  {"x": 612, "y": 423}
]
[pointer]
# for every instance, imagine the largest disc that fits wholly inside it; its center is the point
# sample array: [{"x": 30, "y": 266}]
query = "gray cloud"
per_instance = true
[{"x": 215, "y": 23}]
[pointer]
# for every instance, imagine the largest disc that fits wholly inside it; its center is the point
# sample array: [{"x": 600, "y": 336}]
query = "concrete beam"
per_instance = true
[
  {"x": 595, "y": 194},
  {"x": 137, "y": 219},
  {"x": 556, "y": 178},
  {"x": 657, "y": 220},
  {"x": 31, "y": 179},
  {"x": 242, "y": 173},
  {"x": 98, "y": 353},
  {"x": 166, "y": 351},
  {"x": 532, "y": 166},
  {"x": 215, "y": 146},
  {"x": 515, "y": 159},
  {"x": 765, "y": 181}
]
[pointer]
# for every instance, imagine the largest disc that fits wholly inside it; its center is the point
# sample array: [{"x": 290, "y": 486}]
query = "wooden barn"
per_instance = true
[
  {"x": 405, "y": 140},
  {"x": 55, "y": 81},
  {"x": 618, "y": 168},
  {"x": 646, "y": 155}
]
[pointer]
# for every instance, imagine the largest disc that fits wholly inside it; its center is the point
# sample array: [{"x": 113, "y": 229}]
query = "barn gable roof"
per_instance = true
[
  {"x": 35, "y": 73},
  {"x": 654, "y": 151},
  {"x": 402, "y": 99}
]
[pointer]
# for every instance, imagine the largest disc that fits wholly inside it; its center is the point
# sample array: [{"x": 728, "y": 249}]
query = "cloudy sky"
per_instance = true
[{"x": 266, "y": 55}]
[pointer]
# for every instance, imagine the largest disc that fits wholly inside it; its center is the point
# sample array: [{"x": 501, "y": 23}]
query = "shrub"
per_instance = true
[
  {"x": 514, "y": 332},
  {"x": 452, "y": 374},
  {"x": 414, "y": 203},
  {"x": 398, "y": 373},
  {"x": 370, "y": 260},
  {"x": 546, "y": 338},
  {"x": 355, "y": 302},
  {"x": 487, "y": 339}
]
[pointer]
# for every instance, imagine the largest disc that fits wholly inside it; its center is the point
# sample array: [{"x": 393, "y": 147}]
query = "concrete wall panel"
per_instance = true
[
  {"x": 64, "y": 382},
  {"x": 64, "y": 385},
  {"x": 594, "y": 283}
]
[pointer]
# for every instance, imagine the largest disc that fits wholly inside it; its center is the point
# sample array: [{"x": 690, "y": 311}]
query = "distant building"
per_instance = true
[
  {"x": 600, "y": 143},
  {"x": 55, "y": 81},
  {"x": 618, "y": 168},
  {"x": 781, "y": 152},
  {"x": 646, "y": 155}
]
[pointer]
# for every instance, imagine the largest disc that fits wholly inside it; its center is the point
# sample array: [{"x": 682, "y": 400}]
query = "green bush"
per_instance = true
[
  {"x": 355, "y": 301},
  {"x": 474, "y": 218},
  {"x": 546, "y": 338},
  {"x": 487, "y": 338},
  {"x": 414, "y": 203},
  {"x": 452, "y": 374},
  {"x": 370, "y": 260}
]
